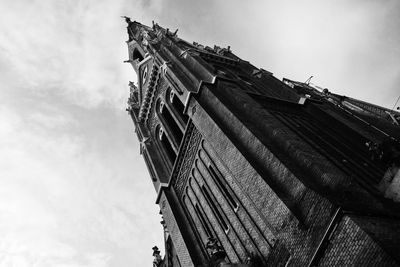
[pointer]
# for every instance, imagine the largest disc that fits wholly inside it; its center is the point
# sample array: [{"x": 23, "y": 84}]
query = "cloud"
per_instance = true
[
  {"x": 350, "y": 47},
  {"x": 67, "y": 177},
  {"x": 66, "y": 193},
  {"x": 65, "y": 46},
  {"x": 73, "y": 188}
]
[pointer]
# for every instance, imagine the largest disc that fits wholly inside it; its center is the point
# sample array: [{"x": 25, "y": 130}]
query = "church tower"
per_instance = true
[{"x": 253, "y": 171}]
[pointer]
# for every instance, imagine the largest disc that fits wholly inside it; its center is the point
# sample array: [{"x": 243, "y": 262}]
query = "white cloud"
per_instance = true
[
  {"x": 73, "y": 189},
  {"x": 67, "y": 165},
  {"x": 66, "y": 46},
  {"x": 63, "y": 199},
  {"x": 350, "y": 47}
]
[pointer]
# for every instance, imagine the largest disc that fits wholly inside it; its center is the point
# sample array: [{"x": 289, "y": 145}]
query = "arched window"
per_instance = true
[
  {"x": 165, "y": 146},
  {"x": 137, "y": 55},
  {"x": 177, "y": 107},
  {"x": 174, "y": 132}
]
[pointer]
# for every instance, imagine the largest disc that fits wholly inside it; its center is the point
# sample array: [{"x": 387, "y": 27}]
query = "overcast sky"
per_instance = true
[{"x": 73, "y": 188}]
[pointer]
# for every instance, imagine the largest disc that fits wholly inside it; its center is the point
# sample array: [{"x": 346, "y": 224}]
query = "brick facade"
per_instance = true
[{"x": 250, "y": 173}]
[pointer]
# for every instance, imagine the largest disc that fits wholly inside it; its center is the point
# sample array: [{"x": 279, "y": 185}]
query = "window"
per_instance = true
[
  {"x": 212, "y": 203},
  {"x": 177, "y": 106},
  {"x": 219, "y": 180},
  {"x": 175, "y": 134},
  {"x": 203, "y": 220},
  {"x": 176, "y": 131},
  {"x": 137, "y": 55},
  {"x": 166, "y": 147}
]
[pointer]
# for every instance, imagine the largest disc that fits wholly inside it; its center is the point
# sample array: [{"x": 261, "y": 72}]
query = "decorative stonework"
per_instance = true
[
  {"x": 157, "y": 257},
  {"x": 152, "y": 120},
  {"x": 216, "y": 252},
  {"x": 216, "y": 54},
  {"x": 148, "y": 96},
  {"x": 185, "y": 159},
  {"x": 133, "y": 102},
  {"x": 218, "y": 58}
]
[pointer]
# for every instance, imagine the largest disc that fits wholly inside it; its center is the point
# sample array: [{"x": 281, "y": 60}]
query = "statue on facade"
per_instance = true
[
  {"x": 133, "y": 87},
  {"x": 216, "y": 252},
  {"x": 157, "y": 257},
  {"x": 132, "y": 100}
]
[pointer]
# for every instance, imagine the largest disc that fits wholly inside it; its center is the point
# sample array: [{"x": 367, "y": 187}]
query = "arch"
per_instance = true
[
  {"x": 136, "y": 55},
  {"x": 165, "y": 145},
  {"x": 177, "y": 107},
  {"x": 174, "y": 132}
]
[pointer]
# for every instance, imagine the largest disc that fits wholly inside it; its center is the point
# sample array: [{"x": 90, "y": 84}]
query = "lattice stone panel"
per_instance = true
[{"x": 185, "y": 160}]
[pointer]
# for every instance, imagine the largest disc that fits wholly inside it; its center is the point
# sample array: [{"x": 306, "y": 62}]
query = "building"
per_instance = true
[{"x": 253, "y": 171}]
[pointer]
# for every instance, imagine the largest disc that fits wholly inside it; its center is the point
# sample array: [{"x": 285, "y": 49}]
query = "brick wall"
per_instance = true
[
  {"x": 277, "y": 200},
  {"x": 176, "y": 235},
  {"x": 350, "y": 245}
]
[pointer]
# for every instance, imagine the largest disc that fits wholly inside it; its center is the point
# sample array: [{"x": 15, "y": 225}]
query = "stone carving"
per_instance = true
[
  {"x": 157, "y": 257},
  {"x": 148, "y": 98},
  {"x": 200, "y": 46},
  {"x": 162, "y": 222},
  {"x": 189, "y": 52},
  {"x": 153, "y": 119},
  {"x": 165, "y": 66},
  {"x": 388, "y": 151},
  {"x": 185, "y": 160},
  {"x": 133, "y": 102},
  {"x": 221, "y": 51},
  {"x": 216, "y": 252},
  {"x": 143, "y": 143},
  {"x": 133, "y": 87}
]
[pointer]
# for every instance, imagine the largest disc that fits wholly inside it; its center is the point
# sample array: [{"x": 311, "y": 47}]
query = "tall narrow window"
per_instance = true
[
  {"x": 177, "y": 106},
  {"x": 220, "y": 181},
  {"x": 170, "y": 125},
  {"x": 166, "y": 147},
  {"x": 176, "y": 131},
  {"x": 203, "y": 221},
  {"x": 212, "y": 203},
  {"x": 170, "y": 151}
]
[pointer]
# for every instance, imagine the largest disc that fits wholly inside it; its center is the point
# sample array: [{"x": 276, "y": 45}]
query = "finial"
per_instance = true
[{"x": 127, "y": 19}]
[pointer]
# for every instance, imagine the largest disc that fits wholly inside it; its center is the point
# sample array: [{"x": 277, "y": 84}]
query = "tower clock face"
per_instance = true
[{"x": 144, "y": 75}]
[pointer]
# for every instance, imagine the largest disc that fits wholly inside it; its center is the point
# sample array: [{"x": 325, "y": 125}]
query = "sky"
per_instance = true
[{"x": 74, "y": 191}]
